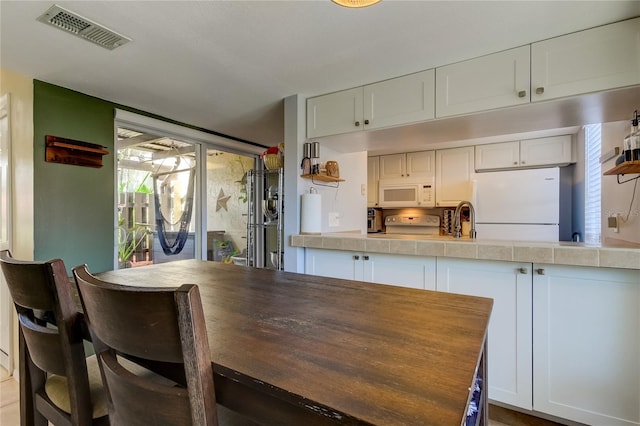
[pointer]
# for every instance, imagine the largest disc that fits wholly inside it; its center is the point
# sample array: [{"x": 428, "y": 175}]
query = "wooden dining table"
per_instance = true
[{"x": 296, "y": 349}]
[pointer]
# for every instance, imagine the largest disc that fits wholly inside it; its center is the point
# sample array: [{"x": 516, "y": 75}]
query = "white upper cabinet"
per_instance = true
[
  {"x": 454, "y": 176},
  {"x": 493, "y": 81},
  {"x": 550, "y": 151},
  {"x": 393, "y": 166},
  {"x": 495, "y": 156},
  {"x": 373, "y": 174},
  {"x": 588, "y": 61},
  {"x": 392, "y": 102},
  {"x": 530, "y": 153},
  {"x": 338, "y": 112},
  {"x": 401, "y": 100},
  {"x": 419, "y": 164}
]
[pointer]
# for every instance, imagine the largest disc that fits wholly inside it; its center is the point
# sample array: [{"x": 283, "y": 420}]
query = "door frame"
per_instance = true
[{"x": 6, "y": 226}]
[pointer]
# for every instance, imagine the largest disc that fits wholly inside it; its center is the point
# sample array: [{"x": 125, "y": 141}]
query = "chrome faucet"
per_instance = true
[{"x": 457, "y": 223}]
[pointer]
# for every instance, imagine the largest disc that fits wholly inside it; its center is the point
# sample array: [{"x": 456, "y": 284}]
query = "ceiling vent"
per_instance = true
[{"x": 82, "y": 27}]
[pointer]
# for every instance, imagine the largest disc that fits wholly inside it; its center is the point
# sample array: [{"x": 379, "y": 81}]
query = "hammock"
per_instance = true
[{"x": 178, "y": 243}]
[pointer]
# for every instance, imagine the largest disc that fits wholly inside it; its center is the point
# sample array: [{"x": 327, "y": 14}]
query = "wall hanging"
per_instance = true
[{"x": 69, "y": 151}]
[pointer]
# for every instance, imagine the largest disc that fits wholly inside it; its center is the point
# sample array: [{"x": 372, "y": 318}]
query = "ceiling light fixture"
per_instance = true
[{"x": 355, "y": 3}]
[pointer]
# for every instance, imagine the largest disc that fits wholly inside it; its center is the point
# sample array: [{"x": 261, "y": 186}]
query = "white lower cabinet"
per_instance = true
[
  {"x": 563, "y": 340},
  {"x": 586, "y": 340},
  {"x": 405, "y": 271},
  {"x": 509, "y": 338}
]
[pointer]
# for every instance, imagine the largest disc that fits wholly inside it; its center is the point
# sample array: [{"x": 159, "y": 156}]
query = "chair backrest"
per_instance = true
[
  {"x": 150, "y": 325},
  {"x": 51, "y": 326}
]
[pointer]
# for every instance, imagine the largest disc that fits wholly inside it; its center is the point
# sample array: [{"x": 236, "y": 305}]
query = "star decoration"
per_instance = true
[{"x": 221, "y": 203}]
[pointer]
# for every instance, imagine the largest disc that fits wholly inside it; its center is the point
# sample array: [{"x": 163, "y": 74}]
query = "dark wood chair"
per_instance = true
[
  {"x": 57, "y": 383},
  {"x": 156, "y": 328}
]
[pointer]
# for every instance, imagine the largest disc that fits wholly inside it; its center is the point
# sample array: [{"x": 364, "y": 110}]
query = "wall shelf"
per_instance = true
[
  {"x": 322, "y": 178},
  {"x": 626, "y": 167}
]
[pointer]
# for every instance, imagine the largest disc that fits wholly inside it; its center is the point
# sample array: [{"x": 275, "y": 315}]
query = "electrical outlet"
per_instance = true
[
  {"x": 614, "y": 222},
  {"x": 334, "y": 219}
]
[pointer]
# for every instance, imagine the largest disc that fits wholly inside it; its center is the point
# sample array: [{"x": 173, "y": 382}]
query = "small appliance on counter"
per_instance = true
[
  {"x": 412, "y": 224},
  {"x": 374, "y": 220}
]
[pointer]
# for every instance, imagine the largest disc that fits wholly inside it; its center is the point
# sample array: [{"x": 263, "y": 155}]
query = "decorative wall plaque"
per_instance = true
[{"x": 69, "y": 151}]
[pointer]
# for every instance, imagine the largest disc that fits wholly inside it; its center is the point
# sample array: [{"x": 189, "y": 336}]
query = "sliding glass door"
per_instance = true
[{"x": 179, "y": 197}]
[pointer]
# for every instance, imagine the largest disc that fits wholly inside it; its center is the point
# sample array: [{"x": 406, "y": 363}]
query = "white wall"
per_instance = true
[
  {"x": 616, "y": 198},
  {"x": 347, "y": 198},
  {"x": 21, "y": 89}
]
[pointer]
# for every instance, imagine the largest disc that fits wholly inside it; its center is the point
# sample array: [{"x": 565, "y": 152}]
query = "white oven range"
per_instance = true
[{"x": 412, "y": 224}]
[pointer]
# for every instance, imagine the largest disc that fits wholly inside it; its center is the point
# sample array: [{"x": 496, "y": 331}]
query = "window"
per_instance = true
[{"x": 592, "y": 209}]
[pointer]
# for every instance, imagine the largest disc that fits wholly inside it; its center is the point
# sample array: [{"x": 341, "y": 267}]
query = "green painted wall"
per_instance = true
[{"x": 73, "y": 205}]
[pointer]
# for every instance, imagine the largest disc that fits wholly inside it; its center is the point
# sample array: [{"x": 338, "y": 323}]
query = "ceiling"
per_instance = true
[{"x": 226, "y": 66}]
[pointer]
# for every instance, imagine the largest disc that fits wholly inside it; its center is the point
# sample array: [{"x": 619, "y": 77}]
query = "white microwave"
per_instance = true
[{"x": 406, "y": 193}]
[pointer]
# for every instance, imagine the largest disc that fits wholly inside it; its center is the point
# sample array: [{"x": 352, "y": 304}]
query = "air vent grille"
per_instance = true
[{"x": 82, "y": 27}]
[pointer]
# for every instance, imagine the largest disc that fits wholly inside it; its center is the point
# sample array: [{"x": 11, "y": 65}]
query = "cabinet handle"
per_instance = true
[
  {"x": 356, "y": 257},
  {"x": 522, "y": 93},
  {"x": 357, "y": 124},
  {"x": 523, "y": 271},
  {"x": 366, "y": 121},
  {"x": 540, "y": 90},
  {"x": 540, "y": 271},
  {"x": 515, "y": 162},
  {"x": 522, "y": 162},
  {"x": 365, "y": 257}
]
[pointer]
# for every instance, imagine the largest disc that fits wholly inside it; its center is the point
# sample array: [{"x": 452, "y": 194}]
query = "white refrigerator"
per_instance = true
[{"x": 531, "y": 205}]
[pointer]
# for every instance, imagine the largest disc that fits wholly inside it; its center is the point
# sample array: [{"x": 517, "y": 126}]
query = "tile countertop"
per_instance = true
[{"x": 561, "y": 253}]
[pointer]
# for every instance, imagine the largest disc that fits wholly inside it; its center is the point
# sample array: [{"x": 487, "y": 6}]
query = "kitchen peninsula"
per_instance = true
[
  {"x": 558, "y": 253},
  {"x": 555, "y": 303}
]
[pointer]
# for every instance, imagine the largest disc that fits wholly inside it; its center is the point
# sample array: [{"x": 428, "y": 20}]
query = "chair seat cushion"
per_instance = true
[{"x": 56, "y": 389}]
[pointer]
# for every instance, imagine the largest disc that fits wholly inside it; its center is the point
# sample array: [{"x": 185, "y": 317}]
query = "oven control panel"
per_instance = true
[{"x": 412, "y": 224}]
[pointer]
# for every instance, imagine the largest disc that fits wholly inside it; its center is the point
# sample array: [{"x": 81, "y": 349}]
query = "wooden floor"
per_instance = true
[
  {"x": 9, "y": 400},
  {"x": 10, "y": 413}
]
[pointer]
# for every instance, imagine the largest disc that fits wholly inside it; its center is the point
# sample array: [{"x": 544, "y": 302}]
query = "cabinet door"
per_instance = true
[
  {"x": 338, "y": 112},
  {"x": 393, "y": 166},
  {"x": 546, "y": 151},
  {"x": 586, "y": 340},
  {"x": 400, "y": 100},
  {"x": 597, "y": 59},
  {"x": 454, "y": 173},
  {"x": 509, "y": 338},
  {"x": 496, "y": 156},
  {"x": 405, "y": 271},
  {"x": 421, "y": 164},
  {"x": 492, "y": 81},
  {"x": 333, "y": 263},
  {"x": 373, "y": 175}
]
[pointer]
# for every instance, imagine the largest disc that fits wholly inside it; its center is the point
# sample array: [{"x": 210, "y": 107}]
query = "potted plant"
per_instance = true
[{"x": 129, "y": 239}]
